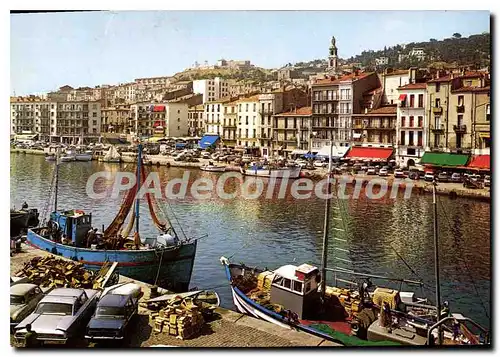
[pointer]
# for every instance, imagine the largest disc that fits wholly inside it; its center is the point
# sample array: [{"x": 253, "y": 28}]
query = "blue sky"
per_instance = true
[{"x": 87, "y": 49}]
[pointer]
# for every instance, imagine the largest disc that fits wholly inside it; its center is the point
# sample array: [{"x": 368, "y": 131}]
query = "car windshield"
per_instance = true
[
  {"x": 53, "y": 308},
  {"x": 16, "y": 299},
  {"x": 109, "y": 311}
]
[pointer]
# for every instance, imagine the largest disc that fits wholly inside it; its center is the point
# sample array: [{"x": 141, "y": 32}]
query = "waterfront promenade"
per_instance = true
[{"x": 227, "y": 329}]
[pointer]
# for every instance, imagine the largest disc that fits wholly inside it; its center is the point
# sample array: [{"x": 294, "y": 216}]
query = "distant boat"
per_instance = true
[
  {"x": 70, "y": 155},
  {"x": 213, "y": 168},
  {"x": 22, "y": 219},
  {"x": 111, "y": 156},
  {"x": 268, "y": 171},
  {"x": 84, "y": 156},
  {"x": 50, "y": 157}
]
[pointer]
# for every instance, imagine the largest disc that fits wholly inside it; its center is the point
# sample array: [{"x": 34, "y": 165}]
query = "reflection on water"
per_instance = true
[{"x": 270, "y": 233}]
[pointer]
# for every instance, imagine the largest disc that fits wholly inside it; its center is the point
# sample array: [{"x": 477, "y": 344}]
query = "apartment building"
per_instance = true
[
  {"x": 412, "y": 124},
  {"x": 115, "y": 119},
  {"x": 213, "y": 116},
  {"x": 229, "y": 123},
  {"x": 196, "y": 124},
  {"x": 375, "y": 128},
  {"x": 32, "y": 115},
  {"x": 292, "y": 132},
  {"x": 333, "y": 103},
  {"x": 452, "y": 110},
  {"x": 248, "y": 121},
  {"x": 76, "y": 120},
  {"x": 391, "y": 80},
  {"x": 160, "y": 119},
  {"x": 211, "y": 89}
]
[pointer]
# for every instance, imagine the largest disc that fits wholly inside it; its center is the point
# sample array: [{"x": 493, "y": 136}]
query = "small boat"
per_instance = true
[
  {"x": 111, "y": 156},
  {"x": 165, "y": 260},
  {"x": 268, "y": 171},
  {"x": 18, "y": 221},
  {"x": 68, "y": 156},
  {"x": 213, "y": 168},
  {"x": 84, "y": 156},
  {"x": 50, "y": 157}
]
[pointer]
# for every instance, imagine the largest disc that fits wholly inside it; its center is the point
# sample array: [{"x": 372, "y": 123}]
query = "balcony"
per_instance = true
[
  {"x": 437, "y": 129},
  {"x": 460, "y": 128},
  {"x": 262, "y": 136},
  {"x": 460, "y": 109},
  {"x": 437, "y": 110},
  {"x": 266, "y": 111}
]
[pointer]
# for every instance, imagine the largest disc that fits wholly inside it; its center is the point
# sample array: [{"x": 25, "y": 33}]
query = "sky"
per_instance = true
[{"x": 49, "y": 50}]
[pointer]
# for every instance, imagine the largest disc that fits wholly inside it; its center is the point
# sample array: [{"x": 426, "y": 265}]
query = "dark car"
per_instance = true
[
  {"x": 414, "y": 175},
  {"x": 112, "y": 317}
]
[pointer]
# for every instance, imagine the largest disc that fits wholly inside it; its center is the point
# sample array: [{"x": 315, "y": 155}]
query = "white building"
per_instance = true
[
  {"x": 211, "y": 89},
  {"x": 391, "y": 81},
  {"x": 411, "y": 124},
  {"x": 160, "y": 119},
  {"x": 381, "y": 61},
  {"x": 419, "y": 53},
  {"x": 248, "y": 122}
]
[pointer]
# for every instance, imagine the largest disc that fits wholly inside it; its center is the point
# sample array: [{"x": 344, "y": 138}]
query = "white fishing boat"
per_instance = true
[
  {"x": 111, "y": 156},
  {"x": 268, "y": 171},
  {"x": 70, "y": 155},
  {"x": 213, "y": 168},
  {"x": 84, "y": 156}
]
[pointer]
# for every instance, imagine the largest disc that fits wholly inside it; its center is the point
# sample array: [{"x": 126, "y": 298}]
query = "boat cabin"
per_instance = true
[
  {"x": 73, "y": 224},
  {"x": 296, "y": 288}
]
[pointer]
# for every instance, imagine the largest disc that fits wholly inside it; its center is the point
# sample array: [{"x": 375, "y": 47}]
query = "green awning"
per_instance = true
[{"x": 444, "y": 159}]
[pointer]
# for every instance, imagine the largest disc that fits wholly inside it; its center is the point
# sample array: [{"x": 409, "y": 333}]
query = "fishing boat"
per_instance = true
[
  {"x": 213, "y": 168},
  {"x": 70, "y": 155},
  {"x": 22, "y": 219},
  {"x": 84, "y": 156},
  {"x": 50, "y": 157},
  {"x": 268, "y": 171},
  {"x": 298, "y": 297},
  {"x": 111, "y": 156},
  {"x": 166, "y": 260}
]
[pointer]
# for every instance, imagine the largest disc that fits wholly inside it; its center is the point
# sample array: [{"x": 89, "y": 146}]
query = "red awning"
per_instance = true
[
  {"x": 159, "y": 123},
  {"x": 373, "y": 154},
  {"x": 480, "y": 162},
  {"x": 402, "y": 97},
  {"x": 159, "y": 108}
]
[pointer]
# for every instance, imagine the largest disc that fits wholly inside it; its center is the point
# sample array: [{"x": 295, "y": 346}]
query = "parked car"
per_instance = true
[
  {"x": 399, "y": 173},
  {"x": 60, "y": 315},
  {"x": 456, "y": 177},
  {"x": 413, "y": 175},
  {"x": 319, "y": 163},
  {"x": 487, "y": 181},
  {"x": 23, "y": 299},
  {"x": 429, "y": 177},
  {"x": 179, "y": 157},
  {"x": 205, "y": 155},
  {"x": 364, "y": 168},
  {"x": 371, "y": 171},
  {"x": 443, "y": 177},
  {"x": 114, "y": 312},
  {"x": 383, "y": 172}
]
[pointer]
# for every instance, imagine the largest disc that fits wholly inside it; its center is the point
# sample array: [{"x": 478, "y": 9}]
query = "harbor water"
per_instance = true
[{"x": 390, "y": 237}]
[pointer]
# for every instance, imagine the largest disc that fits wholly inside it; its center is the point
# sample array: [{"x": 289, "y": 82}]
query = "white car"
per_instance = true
[
  {"x": 399, "y": 174},
  {"x": 383, "y": 172},
  {"x": 429, "y": 177},
  {"x": 320, "y": 164},
  {"x": 371, "y": 171}
]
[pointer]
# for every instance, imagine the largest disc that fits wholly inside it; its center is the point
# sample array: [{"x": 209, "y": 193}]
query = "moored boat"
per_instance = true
[
  {"x": 166, "y": 260},
  {"x": 84, "y": 156},
  {"x": 268, "y": 171},
  {"x": 111, "y": 156},
  {"x": 70, "y": 155},
  {"x": 213, "y": 168}
]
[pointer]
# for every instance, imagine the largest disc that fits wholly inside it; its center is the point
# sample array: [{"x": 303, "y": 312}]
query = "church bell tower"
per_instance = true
[{"x": 332, "y": 58}]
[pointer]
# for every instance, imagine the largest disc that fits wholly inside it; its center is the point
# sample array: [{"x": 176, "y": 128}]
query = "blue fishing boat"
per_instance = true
[{"x": 166, "y": 260}]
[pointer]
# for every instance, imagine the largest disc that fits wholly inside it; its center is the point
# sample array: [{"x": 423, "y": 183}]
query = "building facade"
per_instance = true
[
  {"x": 248, "y": 123},
  {"x": 211, "y": 89},
  {"x": 160, "y": 119},
  {"x": 412, "y": 124},
  {"x": 195, "y": 119},
  {"x": 375, "y": 128},
  {"x": 115, "y": 119},
  {"x": 293, "y": 132},
  {"x": 230, "y": 123}
]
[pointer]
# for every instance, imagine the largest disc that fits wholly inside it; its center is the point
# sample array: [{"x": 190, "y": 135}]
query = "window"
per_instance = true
[
  {"x": 438, "y": 103},
  {"x": 419, "y": 138},
  {"x": 411, "y": 151},
  {"x": 420, "y": 121},
  {"x": 460, "y": 100},
  {"x": 178, "y": 128},
  {"x": 246, "y": 107},
  {"x": 218, "y": 108},
  {"x": 438, "y": 87},
  {"x": 403, "y": 122},
  {"x": 297, "y": 286},
  {"x": 410, "y": 139},
  {"x": 403, "y": 138},
  {"x": 178, "y": 120},
  {"x": 460, "y": 119},
  {"x": 420, "y": 100},
  {"x": 412, "y": 100},
  {"x": 254, "y": 107},
  {"x": 411, "y": 122},
  {"x": 487, "y": 112},
  {"x": 94, "y": 115},
  {"x": 246, "y": 120},
  {"x": 287, "y": 283}
]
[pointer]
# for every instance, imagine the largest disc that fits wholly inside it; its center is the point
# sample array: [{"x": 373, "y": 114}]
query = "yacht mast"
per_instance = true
[
  {"x": 326, "y": 225},
  {"x": 436, "y": 257},
  {"x": 57, "y": 179},
  {"x": 139, "y": 161}
]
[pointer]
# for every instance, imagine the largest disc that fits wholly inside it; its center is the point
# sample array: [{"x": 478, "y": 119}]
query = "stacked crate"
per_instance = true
[{"x": 183, "y": 320}]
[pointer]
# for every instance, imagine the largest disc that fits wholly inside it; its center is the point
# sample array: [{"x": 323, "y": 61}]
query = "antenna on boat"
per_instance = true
[
  {"x": 436, "y": 258},
  {"x": 326, "y": 225},
  {"x": 57, "y": 178}
]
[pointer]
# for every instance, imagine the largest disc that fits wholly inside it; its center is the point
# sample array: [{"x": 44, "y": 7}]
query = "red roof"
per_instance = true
[
  {"x": 347, "y": 77},
  {"x": 414, "y": 86},
  {"x": 480, "y": 162},
  {"x": 472, "y": 89},
  {"x": 159, "y": 108},
  {"x": 363, "y": 153},
  {"x": 304, "y": 111}
]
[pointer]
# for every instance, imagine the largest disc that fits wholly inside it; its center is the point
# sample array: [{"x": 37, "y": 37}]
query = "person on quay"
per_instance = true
[{"x": 25, "y": 205}]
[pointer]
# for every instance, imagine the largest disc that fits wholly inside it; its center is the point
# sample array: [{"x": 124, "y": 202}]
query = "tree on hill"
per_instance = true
[{"x": 457, "y": 35}]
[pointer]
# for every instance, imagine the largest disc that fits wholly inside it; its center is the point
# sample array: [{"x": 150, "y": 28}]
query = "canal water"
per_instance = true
[{"x": 390, "y": 237}]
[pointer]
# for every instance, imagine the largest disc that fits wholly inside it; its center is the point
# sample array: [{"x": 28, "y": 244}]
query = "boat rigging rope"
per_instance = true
[
  {"x": 49, "y": 198},
  {"x": 159, "y": 267},
  {"x": 464, "y": 260}
]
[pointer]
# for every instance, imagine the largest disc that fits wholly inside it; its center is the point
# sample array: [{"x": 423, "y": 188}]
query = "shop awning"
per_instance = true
[
  {"x": 208, "y": 140},
  {"x": 444, "y": 159},
  {"x": 159, "y": 108},
  {"x": 480, "y": 162},
  {"x": 372, "y": 154},
  {"x": 402, "y": 97},
  {"x": 338, "y": 151}
]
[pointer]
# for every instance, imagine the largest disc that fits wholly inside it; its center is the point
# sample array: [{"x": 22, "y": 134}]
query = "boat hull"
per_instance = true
[
  {"x": 83, "y": 157},
  {"x": 292, "y": 173},
  {"x": 18, "y": 222},
  {"x": 175, "y": 263},
  {"x": 213, "y": 168}
]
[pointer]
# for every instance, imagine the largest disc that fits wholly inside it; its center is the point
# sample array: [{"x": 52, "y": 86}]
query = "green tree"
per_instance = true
[{"x": 457, "y": 35}]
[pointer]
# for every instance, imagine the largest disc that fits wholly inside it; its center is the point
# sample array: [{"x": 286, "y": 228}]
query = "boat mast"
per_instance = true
[
  {"x": 57, "y": 179},
  {"x": 326, "y": 225},
  {"x": 436, "y": 258},
  {"x": 139, "y": 161}
]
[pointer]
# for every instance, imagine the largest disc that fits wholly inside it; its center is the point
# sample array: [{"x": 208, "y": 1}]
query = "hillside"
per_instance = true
[
  {"x": 256, "y": 73},
  {"x": 473, "y": 50}
]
